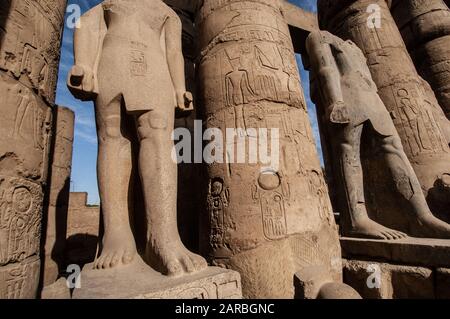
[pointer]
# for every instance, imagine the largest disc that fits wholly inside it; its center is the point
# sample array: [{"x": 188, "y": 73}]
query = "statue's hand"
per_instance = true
[
  {"x": 338, "y": 113},
  {"x": 81, "y": 83},
  {"x": 185, "y": 104}
]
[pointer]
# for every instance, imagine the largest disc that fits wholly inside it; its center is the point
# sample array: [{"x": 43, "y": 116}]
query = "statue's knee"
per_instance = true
[
  {"x": 152, "y": 125},
  {"x": 111, "y": 129},
  {"x": 393, "y": 142},
  {"x": 398, "y": 143},
  {"x": 347, "y": 148}
]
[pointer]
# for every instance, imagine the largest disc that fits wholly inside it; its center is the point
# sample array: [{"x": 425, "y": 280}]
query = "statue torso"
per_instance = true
[
  {"x": 134, "y": 55},
  {"x": 360, "y": 91},
  {"x": 142, "y": 19},
  {"x": 354, "y": 70}
]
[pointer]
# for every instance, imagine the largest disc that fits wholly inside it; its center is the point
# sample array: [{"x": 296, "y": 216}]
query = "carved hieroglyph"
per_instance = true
[
  {"x": 266, "y": 226},
  {"x": 57, "y": 202},
  {"x": 30, "y": 34},
  {"x": 425, "y": 27},
  {"x": 343, "y": 88},
  {"x": 402, "y": 92}
]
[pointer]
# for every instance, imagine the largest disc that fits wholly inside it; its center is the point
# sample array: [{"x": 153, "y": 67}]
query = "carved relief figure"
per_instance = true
[
  {"x": 349, "y": 95},
  {"x": 237, "y": 84},
  {"x": 128, "y": 59},
  {"x": 218, "y": 200},
  {"x": 30, "y": 117}
]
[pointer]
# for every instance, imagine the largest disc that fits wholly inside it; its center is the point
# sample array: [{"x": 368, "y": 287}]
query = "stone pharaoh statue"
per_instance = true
[
  {"x": 128, "y": 59},
  {"x": 344, "y": 87}
]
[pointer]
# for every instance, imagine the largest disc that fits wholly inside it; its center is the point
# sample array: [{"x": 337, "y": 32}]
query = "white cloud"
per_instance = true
[{"x": 88, "y": 137}]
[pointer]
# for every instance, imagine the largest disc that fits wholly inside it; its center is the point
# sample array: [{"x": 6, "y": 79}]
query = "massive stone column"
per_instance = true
[
  {"x": 266, "y": 225},
  {"x": 425, "y": 27},
  {"x": 403, "y": 93},
  {"x": 57, "y": 202},
  {"x": 29, "y": 55}
]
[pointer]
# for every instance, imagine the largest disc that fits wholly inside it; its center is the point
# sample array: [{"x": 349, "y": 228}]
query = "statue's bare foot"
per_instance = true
[
  {"x": 433, "y": 227},
  {"x": 367, "y": 228},
  {"x": 119, "y": 248},
  {"x": 174, "y": 259}
]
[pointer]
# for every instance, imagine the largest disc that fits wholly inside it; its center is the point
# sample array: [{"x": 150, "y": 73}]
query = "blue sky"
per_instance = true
[{"x": 84, "y": 175}]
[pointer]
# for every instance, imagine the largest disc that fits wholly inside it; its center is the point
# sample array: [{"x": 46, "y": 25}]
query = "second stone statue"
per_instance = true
[{"x": 343, "y": 88}]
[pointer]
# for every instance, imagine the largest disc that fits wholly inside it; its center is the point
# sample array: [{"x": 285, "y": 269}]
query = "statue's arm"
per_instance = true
[
  {"x": 175, "y": 61},
  {"x": 323, "y": 64},
  {"x": 87, "y": 43},
  {"x": 88, "y": 38}
]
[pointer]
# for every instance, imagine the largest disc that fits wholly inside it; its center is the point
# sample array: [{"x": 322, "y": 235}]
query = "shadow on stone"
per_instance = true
[
  {"x": 4, "y": 12},
  {"x": 81, "y": 249},
  {"x": 439, "y": 197},
  {"x": 56, "y": 201}
]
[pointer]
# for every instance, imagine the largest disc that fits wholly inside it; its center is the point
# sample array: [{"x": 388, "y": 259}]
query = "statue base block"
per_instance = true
[
  {"x": 398, "y": 269},
  {"x": 57, "y": 290},
  {"x": 417, "y": 251},
  {"x": 140, "y": 281}
]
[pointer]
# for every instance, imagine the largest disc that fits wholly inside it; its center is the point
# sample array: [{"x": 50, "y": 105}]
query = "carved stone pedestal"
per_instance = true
[
  {"x": 407, "y": 268},
  {"x": 139, "y": 281}
]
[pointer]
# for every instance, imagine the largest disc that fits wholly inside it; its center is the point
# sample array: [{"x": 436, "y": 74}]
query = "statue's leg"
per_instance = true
[
  {"x": 360, "y": 225},
  {"x": 408, "y": 185},
  {"x": 114, "y": 173},
  {"x": 158, "y": 172}
]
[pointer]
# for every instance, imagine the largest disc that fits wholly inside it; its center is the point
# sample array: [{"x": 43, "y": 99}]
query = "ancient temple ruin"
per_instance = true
[{"x": 224, "y": 219}]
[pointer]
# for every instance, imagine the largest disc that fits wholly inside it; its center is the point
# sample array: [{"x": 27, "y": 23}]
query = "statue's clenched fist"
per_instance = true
[{"x": 81, "y": 83}]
